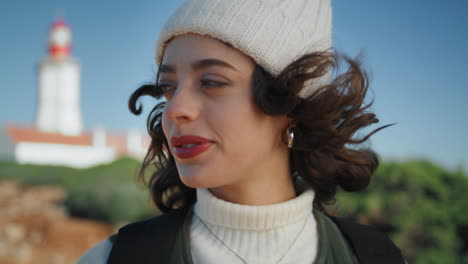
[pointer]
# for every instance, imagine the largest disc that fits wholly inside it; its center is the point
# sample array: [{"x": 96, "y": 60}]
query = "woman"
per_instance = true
[{"x": 252, "y": 139}]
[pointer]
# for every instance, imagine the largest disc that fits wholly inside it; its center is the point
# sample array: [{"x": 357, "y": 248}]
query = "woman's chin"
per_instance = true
[
  {"x": 200, "y": 178},
  {"x": 196, "y": 181}
]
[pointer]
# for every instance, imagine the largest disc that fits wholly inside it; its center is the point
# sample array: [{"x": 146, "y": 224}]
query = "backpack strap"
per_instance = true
[
  {"x": 140, "y": 242},
  {"x": 369, "y": 244}
]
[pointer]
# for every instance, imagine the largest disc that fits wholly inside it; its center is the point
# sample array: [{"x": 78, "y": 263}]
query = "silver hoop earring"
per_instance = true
[{"x": 290, "y": 135}]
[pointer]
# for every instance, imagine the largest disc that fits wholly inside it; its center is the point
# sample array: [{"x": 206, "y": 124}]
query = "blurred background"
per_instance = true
[{"x": 70, "y": 149}]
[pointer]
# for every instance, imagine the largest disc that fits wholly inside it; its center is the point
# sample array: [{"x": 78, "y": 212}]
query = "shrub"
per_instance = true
[
  {"x": 421, "y": 206},
  {"x": 106, "y": 192}
]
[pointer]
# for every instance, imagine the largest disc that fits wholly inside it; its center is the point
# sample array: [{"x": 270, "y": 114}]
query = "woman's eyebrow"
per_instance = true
[
  {"x": 212, "y": 62},
  {"x": 167, "y": 68}
]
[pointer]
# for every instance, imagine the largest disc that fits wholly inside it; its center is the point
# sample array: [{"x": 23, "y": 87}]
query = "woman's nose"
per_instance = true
[{"x": 182, "y": 106}]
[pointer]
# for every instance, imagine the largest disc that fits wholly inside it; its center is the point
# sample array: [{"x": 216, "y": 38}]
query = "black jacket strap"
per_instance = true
[
  {"x": 146, "y": 241},
  {"x": 370, "y": 245}
]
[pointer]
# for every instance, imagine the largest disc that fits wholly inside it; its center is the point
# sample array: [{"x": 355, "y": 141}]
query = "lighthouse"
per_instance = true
[
  {"x": 58, "y": 136},
  {"x": 59, "y": 85}
]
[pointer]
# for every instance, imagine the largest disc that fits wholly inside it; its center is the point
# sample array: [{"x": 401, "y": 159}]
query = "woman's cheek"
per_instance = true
[{"x": 165, "y": 126}]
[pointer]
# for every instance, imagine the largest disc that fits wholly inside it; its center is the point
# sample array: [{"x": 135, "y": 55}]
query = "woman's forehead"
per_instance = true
[{"x": 190, "y": 48}]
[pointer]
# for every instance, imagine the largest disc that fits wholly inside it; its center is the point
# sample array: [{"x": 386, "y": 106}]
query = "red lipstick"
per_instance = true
[{"x": 189, "y": 146}]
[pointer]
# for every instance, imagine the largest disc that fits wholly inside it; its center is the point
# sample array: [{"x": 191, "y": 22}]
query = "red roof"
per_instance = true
[{"x": 30, "y": 134}]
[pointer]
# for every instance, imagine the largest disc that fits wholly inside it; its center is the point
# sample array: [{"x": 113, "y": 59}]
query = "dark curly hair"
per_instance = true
[{"x": 325, "y": 123}]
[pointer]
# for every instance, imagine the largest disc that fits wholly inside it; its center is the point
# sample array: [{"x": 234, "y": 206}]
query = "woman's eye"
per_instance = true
[
  {"x": 208, "y": 83},
  {"x": 166, "y": 87}
]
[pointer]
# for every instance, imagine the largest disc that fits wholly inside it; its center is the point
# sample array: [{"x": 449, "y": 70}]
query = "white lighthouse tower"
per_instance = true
[{"x": 59, "y": 86}]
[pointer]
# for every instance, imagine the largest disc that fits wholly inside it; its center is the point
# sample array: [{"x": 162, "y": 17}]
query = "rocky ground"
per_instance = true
[{"x": 35, "y": 229}]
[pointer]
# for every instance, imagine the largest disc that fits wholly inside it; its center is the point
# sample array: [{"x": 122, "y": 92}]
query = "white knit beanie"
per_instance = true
[{"x": 274, "y": 33}]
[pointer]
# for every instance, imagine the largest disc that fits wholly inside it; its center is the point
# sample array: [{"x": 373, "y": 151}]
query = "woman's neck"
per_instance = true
[
  {"x": 266, "y": 182},
  {"x": 257, "y": 191}
]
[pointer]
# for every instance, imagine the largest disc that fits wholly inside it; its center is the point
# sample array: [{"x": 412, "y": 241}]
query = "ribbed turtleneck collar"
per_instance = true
[{"x": 247, "y": 217}]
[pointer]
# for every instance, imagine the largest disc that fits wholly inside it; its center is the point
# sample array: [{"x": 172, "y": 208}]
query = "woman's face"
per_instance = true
[{"x": 218, "y": 136}]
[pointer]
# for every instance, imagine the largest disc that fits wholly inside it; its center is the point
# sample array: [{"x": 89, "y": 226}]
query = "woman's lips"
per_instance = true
[{"x": 189, "y": 146}]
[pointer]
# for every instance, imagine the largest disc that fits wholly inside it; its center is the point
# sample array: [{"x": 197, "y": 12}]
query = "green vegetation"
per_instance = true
[
  {"x": 422, "y": 207},
  {"x": 106, "y": 192}
]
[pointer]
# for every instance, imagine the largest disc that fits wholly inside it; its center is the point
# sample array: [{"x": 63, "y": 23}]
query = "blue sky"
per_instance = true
[{"x": 415, "y": 50}]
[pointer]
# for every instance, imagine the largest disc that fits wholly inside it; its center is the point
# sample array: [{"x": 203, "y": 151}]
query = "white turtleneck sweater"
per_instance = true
[{"x": 284, "y": 231}]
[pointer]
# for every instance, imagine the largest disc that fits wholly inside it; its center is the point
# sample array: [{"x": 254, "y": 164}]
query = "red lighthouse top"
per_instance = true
[{"x": 60, "y": 39}]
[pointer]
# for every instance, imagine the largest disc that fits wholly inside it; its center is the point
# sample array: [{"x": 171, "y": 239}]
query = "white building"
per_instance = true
[{"x": 58, "y": 137}]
